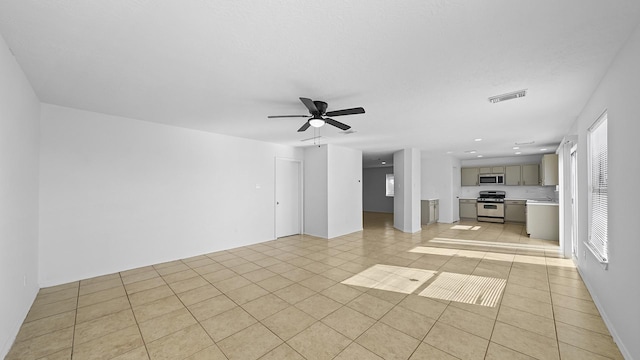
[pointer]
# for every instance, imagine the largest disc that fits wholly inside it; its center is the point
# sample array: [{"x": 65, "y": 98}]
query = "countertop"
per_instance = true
[{"x": 542, "y": 202}]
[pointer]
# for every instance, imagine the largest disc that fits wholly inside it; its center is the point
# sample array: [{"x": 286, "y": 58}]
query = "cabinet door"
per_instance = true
[
  {"x": 497, "y": 169},
  {"x": 530, "y": 175},
  {"x": 432, "y": 212},
  {"x": 469, "y": 176},
  {"x": 468, "y": 209},
  {"x": 485, "y": 170},
  {"x": 424, "y": 212},
  {"x": 549, "y": 170},
  {"x": 514, "y": 212},
  {"x": 512, "y": 175}
]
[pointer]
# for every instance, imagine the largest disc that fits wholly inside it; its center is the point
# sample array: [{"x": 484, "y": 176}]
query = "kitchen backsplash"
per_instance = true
[{"x": 513, "y": 192}]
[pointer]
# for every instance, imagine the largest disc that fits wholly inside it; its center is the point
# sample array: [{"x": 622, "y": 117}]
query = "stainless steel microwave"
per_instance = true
[{"x": 491, "y": 179}]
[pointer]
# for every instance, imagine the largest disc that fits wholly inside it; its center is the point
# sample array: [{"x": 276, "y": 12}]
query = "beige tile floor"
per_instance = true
[{"x": 284, "y": 299}]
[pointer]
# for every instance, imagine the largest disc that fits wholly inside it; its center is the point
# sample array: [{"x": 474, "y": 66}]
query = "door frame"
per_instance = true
[
  {"x": 573, "y": 163},
  {"x": 300, "y": 194}
]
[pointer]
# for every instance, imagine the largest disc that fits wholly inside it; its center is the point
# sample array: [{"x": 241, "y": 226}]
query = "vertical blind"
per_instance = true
[{"x": 598, "y": 231}]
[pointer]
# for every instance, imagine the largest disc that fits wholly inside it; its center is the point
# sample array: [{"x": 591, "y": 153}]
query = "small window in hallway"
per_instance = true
[
  {"x": 390, "y": 190},
  {"x": 598, "y": 241}
]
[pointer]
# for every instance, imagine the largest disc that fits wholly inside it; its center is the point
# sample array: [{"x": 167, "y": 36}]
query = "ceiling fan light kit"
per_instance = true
[
  {"x": 318, "y": 111},
  {"x": 316, "y": 122}
]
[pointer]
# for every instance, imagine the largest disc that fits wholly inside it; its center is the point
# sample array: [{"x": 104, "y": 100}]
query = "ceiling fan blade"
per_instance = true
[
  {"x": 337, "y": 124},
  {"x": 310, "y": 105},
  {"x": 304, "y": 127},
  {"x": 286, "y": 116},
  {"x": 352, "y": 111}
]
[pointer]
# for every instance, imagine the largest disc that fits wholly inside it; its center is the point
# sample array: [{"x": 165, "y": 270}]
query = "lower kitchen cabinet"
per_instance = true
[
  {"x": 515, "y": 211},
  {"x": 468, "y": 209},
  {"x": 543, "y": 220},
  {"x": 430, "y": 211}
]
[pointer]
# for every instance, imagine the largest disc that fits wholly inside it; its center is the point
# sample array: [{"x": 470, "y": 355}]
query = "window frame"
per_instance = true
[
  {"x": 389, "y": 185},
  {"x": 598, "y": 222}
]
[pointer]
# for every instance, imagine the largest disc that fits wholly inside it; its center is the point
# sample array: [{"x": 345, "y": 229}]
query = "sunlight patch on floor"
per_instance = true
[
  {"x": 487, "y": 255},
  {"x": 448, "y": 252},
  {"x": 391, "y": 278},
  {"x": 465, "y": 227},
  {"x": 568, "y": 263},
  {"x": 468, "y": 289},
  {"x": 492, "y": 244}
]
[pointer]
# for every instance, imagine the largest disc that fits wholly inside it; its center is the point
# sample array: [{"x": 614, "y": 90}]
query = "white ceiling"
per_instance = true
[{"x": 422, "y": 69}]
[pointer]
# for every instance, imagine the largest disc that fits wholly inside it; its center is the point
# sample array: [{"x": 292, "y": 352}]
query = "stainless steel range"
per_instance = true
[{"x": 491, "y": 206}]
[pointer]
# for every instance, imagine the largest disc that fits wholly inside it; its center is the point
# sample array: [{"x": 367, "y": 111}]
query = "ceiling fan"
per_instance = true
[{"x": 318, "y": 111}]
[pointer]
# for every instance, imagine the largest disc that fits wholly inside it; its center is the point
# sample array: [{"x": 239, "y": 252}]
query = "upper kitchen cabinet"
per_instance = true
[
  {"x": 469, "y": 176},
  {"x": 492, "y": 170},
  {"x": 513, "y": 175},
  {"x": 530, "y": 175},
  {"x": 549, "y": 170}
]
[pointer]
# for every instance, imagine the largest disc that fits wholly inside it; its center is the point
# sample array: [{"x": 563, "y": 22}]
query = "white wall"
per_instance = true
[
  {"x": 374, "y": 189},
  {"x": 19, "y": 116},
  {"x": 498, "y": 161},
  {"x": 345, "y": 190},
  {"x": 118, "y": 193},
  {"x": 616, "y": 290},
  {"x": 333, "y": 190},
  {"x": 406, "y": 200},
  {"x": 316, "y": 191},
  {"x": 438, "y": 182}
]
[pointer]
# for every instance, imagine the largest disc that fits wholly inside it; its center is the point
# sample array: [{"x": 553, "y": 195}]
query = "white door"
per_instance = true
[
  {"x": 574, "y": 201},
  {"x": 288, "y": 204},
  {"x": 455, "y": 190}
]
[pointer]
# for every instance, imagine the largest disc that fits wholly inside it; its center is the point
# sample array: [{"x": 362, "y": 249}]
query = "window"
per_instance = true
[
  {"x": 390, "y": 190},
  {"x": 598, "y": 241}
]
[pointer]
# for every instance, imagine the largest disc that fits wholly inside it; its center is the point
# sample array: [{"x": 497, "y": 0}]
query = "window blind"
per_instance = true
[{"x": 598, "y": 184}]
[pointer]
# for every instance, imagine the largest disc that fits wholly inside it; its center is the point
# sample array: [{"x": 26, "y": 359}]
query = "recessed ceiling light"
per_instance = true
[
  {"x": 384, "y": 163},
  {"x": 470, "y": 152},
  {"x": 518, "y": 152},
  {"x": 516, "y": 147},
  {"x": 479, "y": 155},
  {"x": 478, "y": 139},
  {"x": 449, "y": 152},
  {"x": 508, "y": 96},
  {"x": 543, "y": 149}
]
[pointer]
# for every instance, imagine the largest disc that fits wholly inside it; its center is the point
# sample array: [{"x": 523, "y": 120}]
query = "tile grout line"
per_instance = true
[
  {"x": 135, "y": 318},
  {"x": 498, "y": 312},
  {"x": 75, "y": 322},
  {"x": 553, "y": 312}
]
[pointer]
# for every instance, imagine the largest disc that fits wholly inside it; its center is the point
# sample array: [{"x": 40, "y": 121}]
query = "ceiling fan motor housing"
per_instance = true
[{"x": 321, "y": 106}]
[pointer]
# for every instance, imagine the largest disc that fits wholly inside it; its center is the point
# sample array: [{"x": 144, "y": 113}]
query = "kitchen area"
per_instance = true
[{"x": 524, "y": 193}]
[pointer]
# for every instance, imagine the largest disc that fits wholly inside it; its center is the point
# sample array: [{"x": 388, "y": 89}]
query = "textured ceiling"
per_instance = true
[{"x": 422, "y": 69}]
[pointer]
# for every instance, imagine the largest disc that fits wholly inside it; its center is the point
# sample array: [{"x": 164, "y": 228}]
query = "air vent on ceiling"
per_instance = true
[{"x": 509, "y": 96}]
